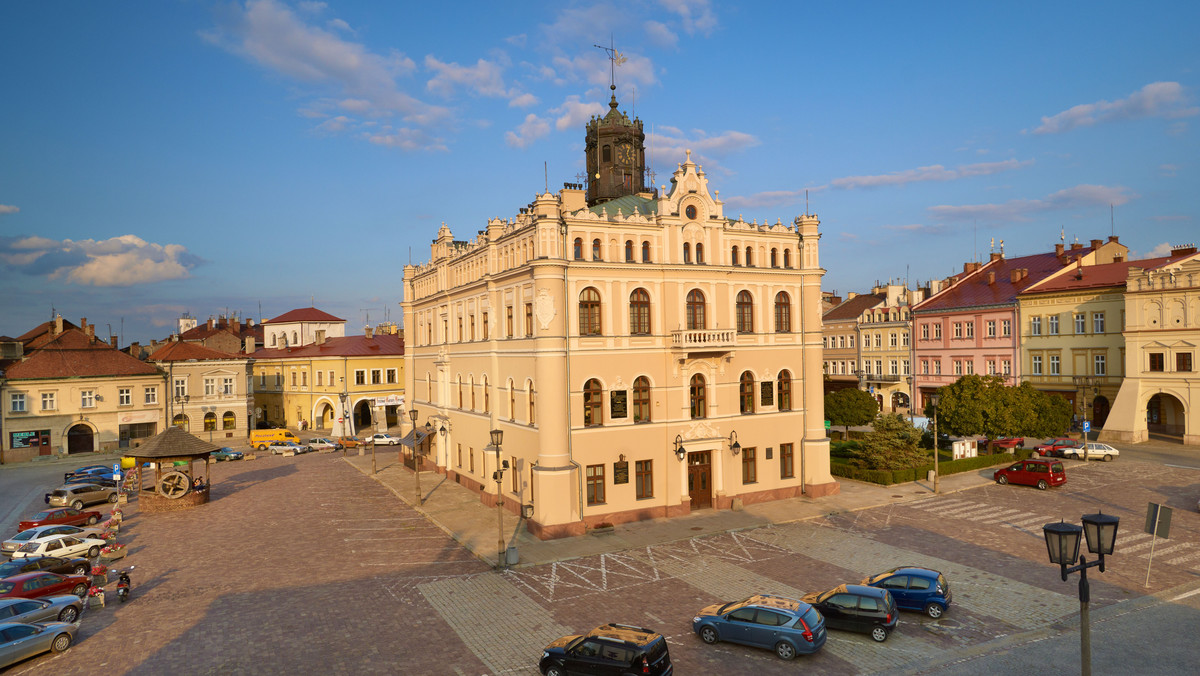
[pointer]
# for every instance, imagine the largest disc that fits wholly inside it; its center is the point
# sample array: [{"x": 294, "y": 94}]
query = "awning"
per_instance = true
[{"x": 413, "y": 438}]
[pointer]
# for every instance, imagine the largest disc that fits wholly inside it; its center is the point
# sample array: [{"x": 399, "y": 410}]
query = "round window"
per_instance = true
[{"x": 691, "y": 212}]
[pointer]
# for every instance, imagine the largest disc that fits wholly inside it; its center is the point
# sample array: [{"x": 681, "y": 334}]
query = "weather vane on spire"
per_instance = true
[{"x": 614, "y": 59}]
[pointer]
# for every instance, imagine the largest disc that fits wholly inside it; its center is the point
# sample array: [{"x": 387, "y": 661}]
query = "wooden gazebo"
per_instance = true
[{"x": 172, "y": 489}]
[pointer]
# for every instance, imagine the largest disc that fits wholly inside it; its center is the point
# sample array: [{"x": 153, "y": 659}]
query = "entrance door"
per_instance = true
[
  {"x": 79, "y": 439},
  {"x": 700, "y": 479},
  {"x": 1100, "y": 410}
]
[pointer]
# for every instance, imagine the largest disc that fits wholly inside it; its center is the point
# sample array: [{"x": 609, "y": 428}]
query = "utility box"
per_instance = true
[{"x": 967, "y": 448}]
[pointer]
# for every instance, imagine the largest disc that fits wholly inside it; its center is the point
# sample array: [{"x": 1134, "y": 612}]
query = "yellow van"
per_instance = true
[{"x": 260, "y": 438}]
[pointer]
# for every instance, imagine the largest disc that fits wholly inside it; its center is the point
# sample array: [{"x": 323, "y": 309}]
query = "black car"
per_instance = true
[
  {"x": 855, "y": 607},
  {"x": 610, "y": 649},
  {"x": 53, "y": 564}
]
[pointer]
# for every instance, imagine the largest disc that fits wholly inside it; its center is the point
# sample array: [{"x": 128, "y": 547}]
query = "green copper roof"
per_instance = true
[{"x": 645, "y": 206}]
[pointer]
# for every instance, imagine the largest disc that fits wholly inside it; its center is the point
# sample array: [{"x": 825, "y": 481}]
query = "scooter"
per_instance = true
[{"x": 123, "y": 585}]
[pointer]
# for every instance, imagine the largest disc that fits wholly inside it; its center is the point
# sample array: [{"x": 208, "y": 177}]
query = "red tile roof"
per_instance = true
[
  {"x": 304, "y": 314},
  {"x": 182, "y": 351},
  {"x": 1094, "y": 276},
  {"x": 75, "y": 354},
  {"x": 974, "y": 290},
  {"x": 240, "y": 331},
  {"x": 854, "y": 307},
  {"x": 349, "y": 346},
  {"x": 40, "y": 334}
]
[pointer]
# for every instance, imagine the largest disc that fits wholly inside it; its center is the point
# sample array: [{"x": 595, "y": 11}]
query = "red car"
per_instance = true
[
  {"x": 34, "y": 585},
  {"x": 1040, "y": 473},
  {"x": 1056, "y": 446},
  {"x": 1006, "y": 443},
  {"x": 63, "y": 515}
]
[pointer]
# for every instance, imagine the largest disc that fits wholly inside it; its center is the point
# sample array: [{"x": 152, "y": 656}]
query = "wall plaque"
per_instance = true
[
  {"x": 618, "y": 404},
  {"x": 621, "y": 472},
  {"x": 768, "y": 393}
]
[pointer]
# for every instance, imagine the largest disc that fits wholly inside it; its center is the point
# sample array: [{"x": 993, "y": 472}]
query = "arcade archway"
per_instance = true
[{"x": 1165, "y": 417}]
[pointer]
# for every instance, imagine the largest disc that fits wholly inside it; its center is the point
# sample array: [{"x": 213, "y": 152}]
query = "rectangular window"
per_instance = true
[
  {"x": 472, "y": 334},
  {"x": 124, "y": 397},
  {"x": 278, "y": 380},
  {"x": 867, "y": 366},
  {"x": 879, "y": 338},
  {"x": 1035, "y": 326},
  {"x": 1101, "y": 363},
  {"x": 1006, "y": 328},
  {"x": 787, "y": 466},
  {"x": 879, "y": 366},
  {"x": 528, "y": 320},
  {"x": 595, "y": 484},
  {"x": 891, "y": 340},
  {"x": 1156, "y": 363},
  {"x": 958, "y": 369},
  {"x": 991, "y": 328},
  {"x": 1183, "y": 362},
  {"x": 644, "y": 479},
  {"x": 1098, "y": 322},
  {"x": 1054, "y": 365},
  {"x": 1037, "y": 365},
  {"x": 320, "y": 378},
  {"x": 331, "y": 379},
  {"x": 360, "y": 377},
  {"x": 210, "y": 387},
  {"x": 924, "y": 332},
  {"x": 461, "y": 335},
  {"x": 151, "y": 396},
  {"x": 937, "y": 331},
  {"x": 1080, "y": 323},
  {"x": 970, "y": 328},
  {"x": 516, "y": 476},
  {"x": 958, "y": 330},
  {"x": 1052, "y": 325},
  {"x": 293, "y": 378},
  {"x": 484, "y": 318},
  {"x": 181, "y": 387},
  {"x": 1007, "y": 367},
  {"x": 376, "y": 376},
  {"x": 459, "y": 456},
  {"x": 851, "y": 339},
  {"x": 472, "y": 458},
  {"x": 925, "y": 367},
  {"x": 391, "y": 376},
  {"x": 904, "y": 338},
  {"x": 892, "y": 367},
  {"x": 262, "y": 381},
  {"x": 991, "y": 367},
  {"x": 508, "y": 322},
  {"x": 937, "y": 367},
  {"x": 749, "y": 466},
  {"x": 17, "y": 402},
  {"x": 970, "y": 367},
  {"x": 48, "y": 401}
]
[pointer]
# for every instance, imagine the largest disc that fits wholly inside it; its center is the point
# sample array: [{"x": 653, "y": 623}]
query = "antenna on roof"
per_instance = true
[
  {"x": 1112, "y": 220},
  {"x": 546, "y": 174}
]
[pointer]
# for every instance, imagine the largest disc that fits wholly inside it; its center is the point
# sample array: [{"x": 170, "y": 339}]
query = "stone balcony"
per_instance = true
[{"x": 703, "y": 340}]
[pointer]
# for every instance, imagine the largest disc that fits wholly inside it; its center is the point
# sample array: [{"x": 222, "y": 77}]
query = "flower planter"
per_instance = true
[
  {"x": 602, "y": 530},
  {"x": 108, "y": 557}
]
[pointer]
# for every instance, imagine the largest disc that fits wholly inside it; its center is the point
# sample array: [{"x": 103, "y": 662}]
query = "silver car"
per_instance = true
[
  {"x": 78, "y": 495},
  {"x": 14, "y": 543},
  {"x": 65, "y": 608},
  {"x": 19, "y": 641}
]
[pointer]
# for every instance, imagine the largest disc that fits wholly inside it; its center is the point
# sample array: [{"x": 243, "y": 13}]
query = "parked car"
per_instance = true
[
  {"x": 78, "y": 495},
  {"x": 14, "y": 543},
  {"x": 286, "y": 446},
  {"x": 1093, "y": 451},
  {"x": 60, "y": 545},
  {"x": 350, "y": 442},
  {"x": 859, "y": 608},
  {"x": 55, "y": 564},
  {"x": 1056, "y": 446},
  {"x": 63, "y": 608},
  {"x": 915, "y": 589},
  {"x": 787, "y": 626},
  {"x": 63, "y": 515},
  {"x": 98, "y": 480},
  {"x": 323, "y": 444},
  {"x": 226, "y": 453},
  {"x": 89, "y": 471},
  {"x": 383, "y": 439},
  {"x": 1005, "y": 443},
  {"x": 609, "y": 649},
  {"x": 35, "y": 585},
  {"x": 1033, "y": 472},
  {"x": 20, "y": 641}
]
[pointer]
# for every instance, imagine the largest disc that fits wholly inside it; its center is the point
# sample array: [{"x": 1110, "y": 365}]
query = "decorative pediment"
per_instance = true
[{"x": 701, "y": 430}]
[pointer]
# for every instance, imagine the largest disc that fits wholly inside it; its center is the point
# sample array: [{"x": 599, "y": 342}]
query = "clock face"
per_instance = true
[{"x": 625, "y": 154}]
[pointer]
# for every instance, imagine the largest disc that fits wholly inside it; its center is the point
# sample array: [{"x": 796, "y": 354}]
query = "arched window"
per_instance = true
[
  {"x": 687, "y": 252},
  {"x": 596, "y": 250},
  {"x": 698, "y": 393},
  {"x": 589, "y": 312},
  {"x": 695, "y": 310},
  {"x": 783, "y": 313},
  {"x": 210, "y": 421},
  {"x": 532, "y": 405},
  {"x": 629, "y": 251},
  {"x": 699, "y": 253},
  {"x": 774, "y": 258},
  {"x": 578, "y": 248},
  {"x": 746, "y": 392},
  {"x": 512, "y": 401},
  {"x": 607, "y": 153},
  {"x": 645, "y": 252},
  {"x": 641, "y": 399},
  {"x": 229, "y": 420},
  {"x": 787, "y": 258},
  {"x": 749, "y": 257},
  {"x": 745, "y": 312},
  {"x": 639, "y": 313},
  {"x": 783, "y": 385},
  {"x": 733, "y": 259},
  {"x": 460, "y": 395},
  {"x": 593, "y": 403},
  {"x": 274, "y": 339},
  {"x": 471, "y": 385},
  {"x": 181, "y": 421},
  {"x": 487, "y": 398},
  {"x": 295, "y": 338}
]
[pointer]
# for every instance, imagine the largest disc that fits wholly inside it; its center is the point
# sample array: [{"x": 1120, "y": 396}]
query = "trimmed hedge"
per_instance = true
[{"x": 887, "y": 477}]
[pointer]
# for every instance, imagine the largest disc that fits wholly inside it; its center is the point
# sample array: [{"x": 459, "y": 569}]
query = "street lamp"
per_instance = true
[
  {"x": 680, "y": 452},
  {"x": 937, "y": 476},
  {"x": 910, "y": 400},
  {"x": 1084, "y": 382},
  {"x": 182, "y": 400},
  {"x": 1062, "y": 544},
  {"x": 498, "y": 475},
  {"x": 416, "y": 463},
  {"x": 734, "y": 446}
]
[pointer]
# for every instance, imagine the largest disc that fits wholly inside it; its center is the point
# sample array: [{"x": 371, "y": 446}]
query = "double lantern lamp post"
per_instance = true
[
  {"x": 498, "y": 475},
  {"x": 1062, "y": 543}
]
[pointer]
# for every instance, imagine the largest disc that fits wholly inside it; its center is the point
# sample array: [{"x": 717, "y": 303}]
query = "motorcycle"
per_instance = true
[{"x": 123, "y": 585}]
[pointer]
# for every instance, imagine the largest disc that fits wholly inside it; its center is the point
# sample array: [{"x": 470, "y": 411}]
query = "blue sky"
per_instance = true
[{"x": 163, "y": 156}]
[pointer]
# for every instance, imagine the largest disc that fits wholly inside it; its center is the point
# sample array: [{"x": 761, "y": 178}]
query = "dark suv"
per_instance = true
[
  {"x": 609, "y": 649},
  {"x": 857, "y": 608}
]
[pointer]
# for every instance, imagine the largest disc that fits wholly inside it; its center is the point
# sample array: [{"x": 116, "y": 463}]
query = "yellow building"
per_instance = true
[
  {"x": 209, "y": 391},
  {"x": 1162, "y": 336},
  {"x": 643, "y": 354}
]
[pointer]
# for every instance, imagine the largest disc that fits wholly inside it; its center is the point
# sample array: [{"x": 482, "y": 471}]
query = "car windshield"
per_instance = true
[
  {"x": 42, "y": 515},
  {"x": 826, "y": 595},
  {"x": 31, "y": 547},
  {"x": 876, "y": 578},
  {"x": 24, "y": 535},
  {"x": 731, "y": 606}
]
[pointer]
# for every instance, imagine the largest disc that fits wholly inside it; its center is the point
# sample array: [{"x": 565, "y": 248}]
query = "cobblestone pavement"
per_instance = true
[{"x": 308, "y": 564}]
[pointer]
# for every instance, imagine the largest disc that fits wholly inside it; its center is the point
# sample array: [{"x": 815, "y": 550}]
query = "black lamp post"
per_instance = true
[
  {"x": 734, "y": 446},
  {"x": 182, "y": 400},
  {"x": 498, "y": 475},
  {"x": 910, "y": 399},
  {"x": 1062, "y": 543},
  {"x": 680, "y": 452},
  {"x": 937, "y": 476},
  {"x": 412, "y": 414}
]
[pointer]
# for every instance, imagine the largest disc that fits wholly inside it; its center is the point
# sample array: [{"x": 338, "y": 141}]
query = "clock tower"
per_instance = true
[{"x": 616, "y": 155}]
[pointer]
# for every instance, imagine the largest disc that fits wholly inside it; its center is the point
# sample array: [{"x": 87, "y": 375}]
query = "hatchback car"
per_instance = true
[
  {"x": 915, "y": 589},
  {"x": 64, "y": 608},
  {"x": 280, "y": 447},
  {"x": 68, "y": 516},
  {"x": 609, "y": 649},
  {"x": 859, "y": 608},
  {"x": 1033, "y": 472},
  {"x": 54, "y": 564},
  {"x": 60, "y": 545},
  {"x": 787, "y": 626},
  {"x": 323, "y": 444},
  {"x": 226, "y": 454},
  {"x": 14, "y": 543},
  {"x": 1056, "y": 447},
  {"x": 349, "y": 442},
  {"x": 78, "y": 495},
  {"x": 89, "y": 471},
  {"x": 19, "y": 641},
  {"x": 36, "y": 585},
  {"x": 1093, "y": 451}
]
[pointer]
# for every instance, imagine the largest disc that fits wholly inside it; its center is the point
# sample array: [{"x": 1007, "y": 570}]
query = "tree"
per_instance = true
[
  {"x": 984, "y": 406},
  {"x": 850, "y": 406},
  {"x": 893, "y": 444}
]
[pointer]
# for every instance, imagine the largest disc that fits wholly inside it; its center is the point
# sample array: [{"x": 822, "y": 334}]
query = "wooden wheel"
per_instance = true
[{"x": 174, "y": 485}]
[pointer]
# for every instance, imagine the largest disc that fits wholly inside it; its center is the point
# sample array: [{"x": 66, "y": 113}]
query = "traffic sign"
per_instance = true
[{"x": 1087, "y": 426}]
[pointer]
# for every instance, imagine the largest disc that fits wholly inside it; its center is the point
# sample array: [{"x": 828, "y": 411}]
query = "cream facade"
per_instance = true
[
  {"x": 209, "y": 392},
  {"x": 885, "y": 352},
  {"x": 644, "y": 356}
]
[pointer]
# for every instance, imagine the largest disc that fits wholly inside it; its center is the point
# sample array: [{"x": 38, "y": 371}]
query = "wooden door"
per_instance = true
[{"x": 700, "y": 479}]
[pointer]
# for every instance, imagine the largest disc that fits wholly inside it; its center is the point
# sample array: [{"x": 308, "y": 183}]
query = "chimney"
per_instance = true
[
  {"x": 1058, "y": 249},
  {"x": 57, "y": 327},
  {"x": 210, "y": 323},
  {"x": 1096, "y": 243},
  {"x": 996, "y": 255},
  {"x": 369, "y": 331},
  {"x": 1183, "y": 250},
  {"x": 1075, "y": 246},
  {"x": 249, "y": 345},
  {"x": 112, "y": 340},
  {"x": 83, "y": 324},
  {"x": 991, "y": 276},
  {"x": 1116, "y": 239},
  {"x": 1015, "y": 275}
]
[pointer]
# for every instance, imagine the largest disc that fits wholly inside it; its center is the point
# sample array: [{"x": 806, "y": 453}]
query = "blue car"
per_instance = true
[
  {"x": 915, "y": 589},
  {"x": 787, "y": 626},
  {"x": 226, "y": 454}
]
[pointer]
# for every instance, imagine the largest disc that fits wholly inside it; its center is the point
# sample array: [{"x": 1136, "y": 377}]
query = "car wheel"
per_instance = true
[
  {"x": 61, "y": 643},
  {"x": 1042, "y": 485},
  {"x": 80, "y": 570},
  {"x": 1071, "y": 456},
  {"x": 708, "y": 635},
  {"x": 1001, "y": 479},
  {"x": 263, "y": 447},
  {"x": 785, "y": 650},
  {"x": 934, "y": 610},
  {"x": 79, "y": 590},
  {"x": 554, "y": 670},
  {"x": 112, "y": 497},
  {"x": 68, "y": 614},
  {"x": 879, "y": 634},
  {"x": 92, "y": 520},
  {"x": 93, "y": 552},
  {"x": 78, "y": 504},
  {"x": 1108, "y": 457}
]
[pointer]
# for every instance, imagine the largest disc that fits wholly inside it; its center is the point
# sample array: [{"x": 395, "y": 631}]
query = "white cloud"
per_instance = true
[
  {"x": 1159, "y": 251},
  {"x": 336, "y": 124},
  {"x": 931, "y": 173},
  {"x": 1157, "y": 99},
  {"x": 532, "y": 129},
  {"x": 695, "y": 15},
  {"x": 573, "y": 113},
  {"x": 1078, "y": 197},
  {"x": 523, "y": 100},
  {"x": 119, "y": 261},
  {"x": 917, "y": 228},
  {"x": 8, "y": 209},
  {"x": 670, "y": 145},
  {"x": 769, "y": 198},
  {"x": 406, "y": 139},
  {"x": 517, "y": 40},
  {"x": 338, "y": 24},
  {"x": 659, "y": 34},
  {"x": 1168, "y": 169},
  {"x": 483, "y": 79}
]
